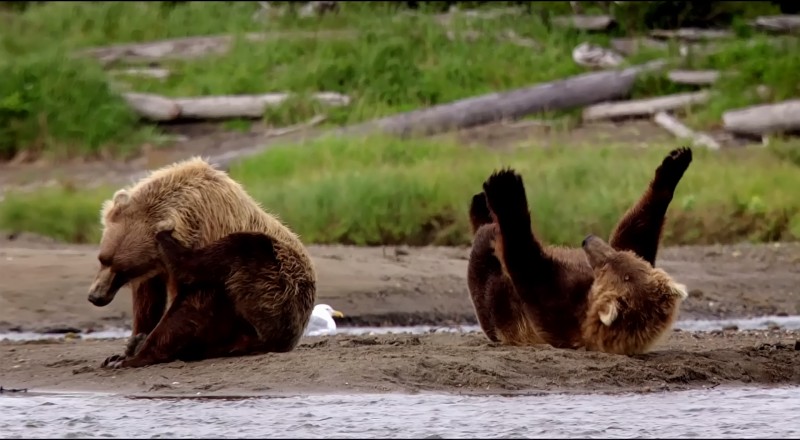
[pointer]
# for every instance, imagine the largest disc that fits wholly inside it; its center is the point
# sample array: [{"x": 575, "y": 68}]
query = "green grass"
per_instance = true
[
  {"x": 386, "y": 191},
  {"x": 393, "y": 64},
  {"x": 50, "y": 102}
]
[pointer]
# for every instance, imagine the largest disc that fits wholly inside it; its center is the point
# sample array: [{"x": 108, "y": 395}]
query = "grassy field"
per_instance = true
[
  {"x": 378, "y": 190},
  {"x": 385, "y": 191},
  {"x": 392, "y": 63}
]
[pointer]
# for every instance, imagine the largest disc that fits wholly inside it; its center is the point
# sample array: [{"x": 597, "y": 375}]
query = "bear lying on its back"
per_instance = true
[
  {"x": 631, "y": 304},
  {"x": 525, "y": 291}
]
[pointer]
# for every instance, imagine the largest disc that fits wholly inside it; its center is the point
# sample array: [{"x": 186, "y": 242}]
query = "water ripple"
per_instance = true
[{"x": 719, "y": 413}]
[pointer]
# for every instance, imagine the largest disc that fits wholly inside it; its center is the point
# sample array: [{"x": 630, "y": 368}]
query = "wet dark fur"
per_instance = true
[
  {"x": 238, "y": 283},
  {"x": 513, "y": 277}
]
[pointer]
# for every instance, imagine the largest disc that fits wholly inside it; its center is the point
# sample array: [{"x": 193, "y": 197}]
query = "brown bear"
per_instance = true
[
  {"x": 253, "y": 291},
  {"x": 552, "y": 283},
  {"x": 204, "y": 205},
  {"x": 631, "y": 304}
]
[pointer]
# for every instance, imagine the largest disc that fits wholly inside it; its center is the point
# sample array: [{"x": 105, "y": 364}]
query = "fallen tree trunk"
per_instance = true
[
  {"x": 151, "y": 72},
  {"x": 692, "y": 34},
  {"x": 694, "y": 77},
  {"x": 783, "y": 117},
  {"x": 159, "y": 108},
  {"x": 786, "y": 24},
  {"x": 643, "y": 107},
  {"x": 577, "y": 91},
  {"x": 191, "y": 47},
  {"x": 630, "y": 46},
  {"x": 584, "y": 22},
  {"x": 681, "y": 131}
]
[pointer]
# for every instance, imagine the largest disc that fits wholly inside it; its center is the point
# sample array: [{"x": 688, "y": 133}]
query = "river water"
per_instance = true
[
  {"x": 764, "y": 322},
  {"x": 717, "y": 413}
]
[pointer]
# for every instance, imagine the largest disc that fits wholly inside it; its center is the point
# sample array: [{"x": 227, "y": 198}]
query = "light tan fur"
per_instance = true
[
  {"x": 200, "y": 204},
  {"x": 632, "y": 305}
]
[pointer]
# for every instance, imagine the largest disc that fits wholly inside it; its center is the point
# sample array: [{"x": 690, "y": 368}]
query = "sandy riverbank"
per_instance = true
[
  {"x": 43, "y": 285},
  {"x": 459, "y": 363}
]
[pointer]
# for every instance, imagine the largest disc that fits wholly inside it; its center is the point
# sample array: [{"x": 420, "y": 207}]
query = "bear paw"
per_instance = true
[
  {"x": 135, "y": 343},
  {"x": 113, "y": 362},
  {"x": 671, "y": 170},
  {"x": 505, "y": 194},
  {"x": 479, "y": 214}
]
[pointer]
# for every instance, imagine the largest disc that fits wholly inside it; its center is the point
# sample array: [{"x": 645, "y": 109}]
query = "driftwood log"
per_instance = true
[
  {"x": 644, "y": 107},
  {"x": 150, "y": 72},
  {"x": 584, "y": 22},
  {"x": 630, "y": 46},
  {"x": 786, "y": 24},
  {"x": 160, "y": 108},
  {"x": 679, "y": 130},
  {"x": 577, "y": 91},
  {"x": 691, "y": 34},
  {"x": 693, "y": 77},
  {"x": 783, "y": 117},
  {"x": 192, "y": 47}
]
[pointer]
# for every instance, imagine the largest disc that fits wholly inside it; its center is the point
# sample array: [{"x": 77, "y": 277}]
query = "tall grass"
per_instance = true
[
  {"x": 389, "y": 63},
  {"x": 387, "y": 191}
]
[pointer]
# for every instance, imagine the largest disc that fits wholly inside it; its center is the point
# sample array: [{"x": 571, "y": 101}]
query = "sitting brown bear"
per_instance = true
[
  {"x": 631, "y": 305},
  {"x": 203, "y": 205},
  {"x": 240, "y": 284},
  {"x": 548, "y": 301}
]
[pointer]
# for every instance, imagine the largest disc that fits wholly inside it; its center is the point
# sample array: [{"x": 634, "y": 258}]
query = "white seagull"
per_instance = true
[{"x": 321, "y": 322}]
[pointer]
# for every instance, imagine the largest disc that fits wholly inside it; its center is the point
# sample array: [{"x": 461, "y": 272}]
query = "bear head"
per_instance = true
[
  {"x": 624, "y": 281},
  {"x": 127, "y": 248}
]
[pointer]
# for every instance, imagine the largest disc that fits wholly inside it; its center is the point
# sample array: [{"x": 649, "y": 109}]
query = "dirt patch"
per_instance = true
[
  {"x": 462, "y": 363},
  {"x": 192, "y": 139},
  {"x": 215, "y": 141},
  {"x": 44, "y": 284},
  {"x": 502, "y": 135}
]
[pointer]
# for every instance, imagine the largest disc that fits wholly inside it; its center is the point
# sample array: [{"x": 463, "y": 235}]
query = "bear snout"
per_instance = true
[
  {"x": 99, "y": 300},
  {"x": 586, "y": 240}
]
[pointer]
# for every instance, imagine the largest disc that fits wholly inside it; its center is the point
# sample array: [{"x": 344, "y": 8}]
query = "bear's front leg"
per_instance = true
[
  {"x": 183, "y": 323},
  {"x": 135, "y": 343}
]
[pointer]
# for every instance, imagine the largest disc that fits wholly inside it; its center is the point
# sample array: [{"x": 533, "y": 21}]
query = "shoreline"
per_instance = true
[
  {"x": 432, "y": 363},
  {"x": 391, "y": 286}
]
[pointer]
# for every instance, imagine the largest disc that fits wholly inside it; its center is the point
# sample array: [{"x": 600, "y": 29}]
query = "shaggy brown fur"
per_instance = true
[
  {"x": 500, "y": 312},
  {"x": 204, "y": 205},
  {"x": 632, "y": 305},
  {"x": 253, "y": 291},
  {"x": 553, "y": 283}
]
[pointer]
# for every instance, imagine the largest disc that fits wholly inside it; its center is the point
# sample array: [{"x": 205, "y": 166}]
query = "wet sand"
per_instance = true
[
  {"x": 451, "y": 363},
  {"x": 44, "y": 284}
]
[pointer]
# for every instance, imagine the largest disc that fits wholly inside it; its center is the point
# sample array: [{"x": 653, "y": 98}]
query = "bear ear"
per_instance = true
[
  {"x": 121, "y": 197},
  {"x": 609, "y": 315},
  {"x": 165, "y": 225},
  {"x": 679, "y": 290}
]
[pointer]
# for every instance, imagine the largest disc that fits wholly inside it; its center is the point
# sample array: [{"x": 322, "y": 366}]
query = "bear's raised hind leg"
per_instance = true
[
  {"x": 517, "y": 249},
  {"x": 533, "y": 273},
  {"x": 203, "y": 265},
  {"x": 479, "y": 214},
  {"x": 639, "y": 230}
]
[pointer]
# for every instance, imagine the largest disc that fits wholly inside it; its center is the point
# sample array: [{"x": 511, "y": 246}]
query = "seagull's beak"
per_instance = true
[{"x": 337, "y": 314}]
